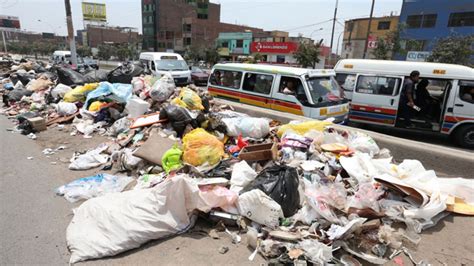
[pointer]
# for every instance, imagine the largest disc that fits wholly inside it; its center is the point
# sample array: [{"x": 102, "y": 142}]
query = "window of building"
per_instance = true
[
  {"x": 378, "y": 85},
  {"x": 429, "y": 21},
  {"x": 225, "y": 44},
  {"x": 259, "y": 83},
  {"x": 461, "y": 19},
  {"x": 161, "y": 45},
  {"x": 383, "y": 25},
  {"x": 187, "y": 27},
  {"x": 162, "y": 34},
  {"x": 187, "y": 41},
  {"x": 414, "y": 21},
  {"x": 239, "y": 44},
  {"x": 169, "y": 45},
  {"x": 202, "y": 16},
  {"x": 280, "y": 59},
  {"x": 169, "y": 35},
  {"x": 230, "y": 79},
  {"x": 415, "y": 45},
  {"x": 148, "y": 30}
]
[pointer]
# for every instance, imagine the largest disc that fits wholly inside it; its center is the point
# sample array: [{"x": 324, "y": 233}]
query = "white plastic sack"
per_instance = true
[
  {"x": 64, "y": 108},
  {"x": 316, "y": 251},
  {"x": 118, "y": 222},
  {"x": 359, "y": 166},
  {"x": 60, "y": 90},
  {"x": 163, "y": 88},
  {"x": 93, "y": 186},
  {"x": 119, "y": 126},
  {"x": 136, "y": 107},
  {"x": 248, "y": 127},
  {"x": 364, "y": 143},
  {"x": 260, "y": 208},
  {"x": 89, "y": 159},
  {"x": 242, "y": 175},
  {"x": 459, "y": 187}
]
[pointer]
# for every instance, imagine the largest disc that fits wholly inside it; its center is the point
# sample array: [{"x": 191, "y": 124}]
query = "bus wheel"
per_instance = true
[{"x": 464, "y": 136}]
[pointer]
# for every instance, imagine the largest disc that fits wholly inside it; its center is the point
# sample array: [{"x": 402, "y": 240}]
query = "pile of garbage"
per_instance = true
[{"x": 300, "y": 192}]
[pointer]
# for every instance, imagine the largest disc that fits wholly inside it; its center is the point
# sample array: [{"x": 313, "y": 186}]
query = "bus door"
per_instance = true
[
  {"x": 460, "y": 108},
  {"x": 285, "y": 95},
  {"x": 375, "y": 99}
]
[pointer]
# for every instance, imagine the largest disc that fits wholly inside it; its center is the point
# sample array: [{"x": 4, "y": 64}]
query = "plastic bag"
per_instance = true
[
  {"x": 124, "y": 73},
  {"x": 96, "y": 106},
  {"x": 64, "y": 108},
  {"x": 172, "y": 159},
  {"x": 93, "y": 186},
  {"x": 201, "y": 147},
  {"x": 119, "y": 126},
  {"x": 39, "y": 84},
  {"x": 69, "y": 77},
  {"x": 163, "y": 88},
  {"x": 188, "y": 99},
  {"x": 303, "y": 127},
  {"x": 248, "y": 127},
  {"x": 367, "y": 196},
  {"x": 18, "y": 92},
  {"x": 281, "y": 184},
  {"x": 260, "y": 208},
  {"x": 177, "y": 116},
  {"x": 90, "y": 159},
  {"x": 218, "y": 196},
  {"x": 78, "y": 94},
  {"x": 117, "y": 92},
  {"x": 136, "y": 107},
  {"x": 242, "y": 175},
  {"x": 96, "y": 75},
  {"x": 60, "y": 90},
  {"x": 364, "y": 143},
  {"x": 316, "y": 251},
  {"x": 124, "y": 160}
]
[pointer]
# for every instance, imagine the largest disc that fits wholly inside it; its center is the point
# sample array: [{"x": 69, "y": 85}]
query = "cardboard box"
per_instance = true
[
  {"x": 259, "y": 152},
  {"x": 38, "y": 123}
]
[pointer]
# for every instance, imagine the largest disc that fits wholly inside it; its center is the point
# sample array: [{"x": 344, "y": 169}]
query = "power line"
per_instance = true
[{"x": 309, "y": 25}]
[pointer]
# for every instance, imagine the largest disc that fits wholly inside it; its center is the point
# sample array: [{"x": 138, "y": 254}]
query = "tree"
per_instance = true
[
  {"x": 307, "y": 54},
  {"x": 258, "y": 57},
  {"x": 453, "y": 50},
  {"x": 389, "y": 45},
  {"x": 123, "y": 53},
  {"x": 194, "y": 53},
  {"x": 211, "y": 55},
  {"x": 106, "y": 51},
  {"x": 84, "y": 51},
  {"x": 383, "y": 49}
]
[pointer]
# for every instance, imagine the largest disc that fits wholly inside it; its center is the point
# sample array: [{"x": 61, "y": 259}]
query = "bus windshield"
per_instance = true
[
  {"x": 170, "y": 64},
  {"x": 324, "y": 89}
]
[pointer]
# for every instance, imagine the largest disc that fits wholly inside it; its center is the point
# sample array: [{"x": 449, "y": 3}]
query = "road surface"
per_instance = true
[{"x": 33, "y": 220}]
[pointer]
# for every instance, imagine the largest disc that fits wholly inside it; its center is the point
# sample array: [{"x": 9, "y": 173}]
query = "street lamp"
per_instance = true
[
  {"x": 338, "y": 39},
  {"x": 316, "y": 30}
]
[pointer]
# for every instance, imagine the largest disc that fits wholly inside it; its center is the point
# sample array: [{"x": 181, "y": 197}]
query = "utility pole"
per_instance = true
[
  {"x": 4, "y": 42},
  {"x": 334, "y": 24},
  {"x": 70, "y": 33},
  {"x": 368, "y": 29}
]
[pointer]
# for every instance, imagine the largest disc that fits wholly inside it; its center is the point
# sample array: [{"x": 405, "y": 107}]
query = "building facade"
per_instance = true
[
  {"x": 426, "y": 21},
  {"x": 95, "y": 35},
  {"x": 355, "y": 35},
  {"x": 173, "y": 25},
  {"x": 232, "y": 45}
]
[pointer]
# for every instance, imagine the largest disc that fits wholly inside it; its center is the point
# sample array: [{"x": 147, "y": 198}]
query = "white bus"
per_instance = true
[
  {"x": 161, "y": 63},
  {"x": 375, "y": 95},
  {"x": 61, "y": 57},
  {"x": 309, "y": 92}
]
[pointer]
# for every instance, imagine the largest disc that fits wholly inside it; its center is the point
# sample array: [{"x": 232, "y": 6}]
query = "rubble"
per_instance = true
[{"x": 301, "y": 192}]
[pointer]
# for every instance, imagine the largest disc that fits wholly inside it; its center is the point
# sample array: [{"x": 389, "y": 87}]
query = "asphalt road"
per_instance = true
[{"x": 33, "y": 220}]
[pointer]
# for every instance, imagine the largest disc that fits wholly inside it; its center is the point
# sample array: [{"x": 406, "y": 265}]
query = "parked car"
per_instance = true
[
  {"x": 84, "y": 63},
  {"x": 199, "y": 76}
]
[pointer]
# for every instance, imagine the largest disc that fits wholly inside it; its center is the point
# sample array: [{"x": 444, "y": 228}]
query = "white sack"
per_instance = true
[
  {"x": 118, "y": 222},
  {"x": 260, "y": 208},
  {"x": 60, "y": 90},
  {"x": 242, "y": 175},
  {"x": 248, "y": 127},
  {"x": 64, "y": 108}
]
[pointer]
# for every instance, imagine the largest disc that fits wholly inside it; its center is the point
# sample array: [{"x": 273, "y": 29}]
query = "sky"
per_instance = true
[{"x": 295, "y": 16}]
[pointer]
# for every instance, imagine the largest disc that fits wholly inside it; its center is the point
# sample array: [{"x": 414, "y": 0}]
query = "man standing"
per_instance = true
[{"x": 406, "y": 98}]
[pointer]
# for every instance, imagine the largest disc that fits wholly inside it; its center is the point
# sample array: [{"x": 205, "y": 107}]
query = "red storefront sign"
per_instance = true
[{"x": 274, "y": 47}]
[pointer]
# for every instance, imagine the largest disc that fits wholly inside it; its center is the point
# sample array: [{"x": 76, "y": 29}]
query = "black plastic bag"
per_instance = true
[
  {"x": 70, "y": 77},
  {"x": 25, "y": 78},
  {"x": 96, "y": 76},
  {"x": 281, "y": 184},
  {"x": 18, "y": 93},
  {"x": 178, "y": 117},
  {"x": 124, "y": 73}
]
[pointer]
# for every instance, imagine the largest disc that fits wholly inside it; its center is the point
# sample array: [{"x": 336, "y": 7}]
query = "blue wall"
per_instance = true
[{"x": 443, "y": 8}]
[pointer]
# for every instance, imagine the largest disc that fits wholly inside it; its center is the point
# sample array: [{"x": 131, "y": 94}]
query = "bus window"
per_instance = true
[
  {"x": 324, "y": 89},
  {"x": 292, "y": 86},
  {"x": 378, "y": 85},
  {"x": 226, "y": 78},
  {"x": 346, "y": 81},
  {"x": 466, "y": 91},
  {"x": 258, "y": 83}
]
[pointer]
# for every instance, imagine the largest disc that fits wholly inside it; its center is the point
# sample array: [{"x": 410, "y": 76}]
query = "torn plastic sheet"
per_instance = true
[
  {"x": 97, "y": 228},
  {"x": 340, "y": 232},
  {"x": 90, "y": 159},
  {"x": 316, "y": 251},
  {"x": 367, "y": 257}
]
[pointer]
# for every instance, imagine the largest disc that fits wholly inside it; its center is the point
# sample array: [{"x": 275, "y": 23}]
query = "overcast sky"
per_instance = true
[{"x": 290, "y": 15}]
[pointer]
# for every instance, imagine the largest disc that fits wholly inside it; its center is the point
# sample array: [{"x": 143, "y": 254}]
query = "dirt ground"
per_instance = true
[{"x": 33, "y": 220}]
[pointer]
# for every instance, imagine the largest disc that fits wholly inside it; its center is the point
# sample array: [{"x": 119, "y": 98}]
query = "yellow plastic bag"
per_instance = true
[
  {"x": 78, "y": 94},
  {"x": 201, "y": 147},
  {"x": 188, "y": 99},
  {"x": 303, "y": 127},
  {"x": 96, "y": 106}
]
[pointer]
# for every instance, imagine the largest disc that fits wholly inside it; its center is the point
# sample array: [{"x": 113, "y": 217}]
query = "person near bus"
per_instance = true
[
  {"x": 468, "y": 96},
  {"x": 406, "y": 98},
  {"x": 423, "y": 98}
]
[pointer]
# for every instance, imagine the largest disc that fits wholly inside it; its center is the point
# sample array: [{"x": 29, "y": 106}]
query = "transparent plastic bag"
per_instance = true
[
  {"x": 367, "y": 196},
  {"x": 163, "y": 88},
  {"x": 200, "y": 147},
  {"x": 247, "y": 127}
]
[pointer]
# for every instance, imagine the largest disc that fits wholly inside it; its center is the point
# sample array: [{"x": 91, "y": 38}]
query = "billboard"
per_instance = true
[
  {"x": 274, "y": 47},
  {"x": 94, "y": 12},
  {"x": 417, "y": 56},
  {"x": 11, "y": 22}
]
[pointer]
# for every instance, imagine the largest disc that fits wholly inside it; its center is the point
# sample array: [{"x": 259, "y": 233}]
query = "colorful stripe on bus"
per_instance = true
[
  {"x": 373, "y": 114},
  {"x": 450, "y": 121},
  {"x": 259, "y": 101}
]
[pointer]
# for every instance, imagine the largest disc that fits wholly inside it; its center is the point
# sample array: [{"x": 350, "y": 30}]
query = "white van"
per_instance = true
[
  {"x": 376, "y": 94},
  {"x": 310, "y": 92},
  {"x": 61, "y": 57},
  {"x": 161, "y": 63}
]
